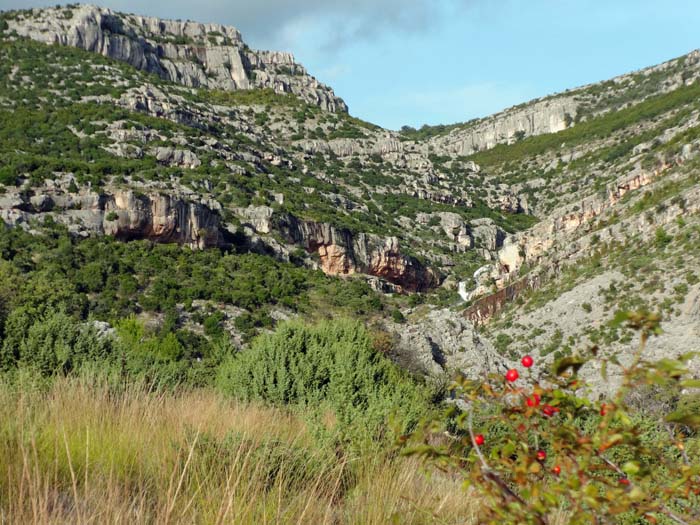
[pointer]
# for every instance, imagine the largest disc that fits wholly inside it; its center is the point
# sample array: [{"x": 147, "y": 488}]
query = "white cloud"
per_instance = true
[{"x": 269, "y": 23}]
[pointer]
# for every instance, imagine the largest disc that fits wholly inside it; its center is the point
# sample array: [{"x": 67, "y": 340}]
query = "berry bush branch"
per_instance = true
[{"x": 544, "y": 446}]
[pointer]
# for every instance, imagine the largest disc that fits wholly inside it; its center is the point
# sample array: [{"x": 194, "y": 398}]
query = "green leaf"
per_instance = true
[
  {"x": 672, "y": 367},
  {"x": 690, "y": 383},
  {"x": 508, "y": 449},
  {"x": 688, "y": 356}
]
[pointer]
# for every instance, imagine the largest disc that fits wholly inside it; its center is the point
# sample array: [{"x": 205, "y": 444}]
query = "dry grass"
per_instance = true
[{"x": 78, "y": 453}]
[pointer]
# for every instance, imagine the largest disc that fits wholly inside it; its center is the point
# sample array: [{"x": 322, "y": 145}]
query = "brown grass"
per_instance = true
[{"x": 76, "y": 453}]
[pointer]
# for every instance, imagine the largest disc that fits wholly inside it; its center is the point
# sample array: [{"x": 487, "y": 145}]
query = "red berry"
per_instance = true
[
  {"x": 624, "y": 481},
  {"x": 603, "y": 409},
  {"x": 527, "y": 361},
  {"x": 556, "y": 470},
  {"x": 541, "y": 455},
  {"x": 549, "y": 410},
  {"x": 479, "y": 439},
  {"x": 533, "y": 400},
  {"x": 512, "y": 375}
]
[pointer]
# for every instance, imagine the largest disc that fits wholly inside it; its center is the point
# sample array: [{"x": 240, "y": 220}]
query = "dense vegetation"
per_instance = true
[
  {"x": 103, "y": 279},
  {"x": 334, "y": 364},
  {"x": 305, "y": 412},
  {"x": 150, "y": 383}
]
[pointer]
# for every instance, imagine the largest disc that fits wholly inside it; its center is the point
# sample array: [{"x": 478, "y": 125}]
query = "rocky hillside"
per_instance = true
[
  {"x": 460, "y": 244},
  {"x": 188, "y": 53}
]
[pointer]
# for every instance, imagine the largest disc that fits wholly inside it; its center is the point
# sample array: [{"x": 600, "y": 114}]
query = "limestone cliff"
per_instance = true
[
  {"x": 183, "y": 219},
  {"x": 558, "y": 112},
  {"x": 189, "y": 53},
  {"x": 342, "y": 252},
  {"x": 536, "y": 118},
  {"x": 125, "y": 214}
]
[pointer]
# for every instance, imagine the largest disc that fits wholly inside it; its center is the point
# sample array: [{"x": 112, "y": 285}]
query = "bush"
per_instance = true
[
  {"x": 661, "y": 238},
  {"x": 332, "y": 364},
  {"x": 536, "y": 449},
  {"x": 397, "y": 316},
  {"x": 55, "y": 344}
]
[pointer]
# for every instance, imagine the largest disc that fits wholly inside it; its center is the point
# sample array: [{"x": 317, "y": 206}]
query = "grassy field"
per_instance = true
[{"x": 79, "y": 451}]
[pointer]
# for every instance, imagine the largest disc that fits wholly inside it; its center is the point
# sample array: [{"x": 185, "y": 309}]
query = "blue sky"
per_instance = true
[{"x": 412, "y": 62}]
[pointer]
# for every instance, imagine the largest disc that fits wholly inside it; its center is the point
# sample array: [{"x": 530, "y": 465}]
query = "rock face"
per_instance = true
[
  {"x": 343, "y": 253},
  {"x": 160, "y": 218},
  {"x": 567, "y": 236},
  {"x": 443, "y": 341},
  {"x": 165, "y": 218},
  {"x": 122, "y": 213},
  {"x": 189, "y": 53},
  {"x": 487, "y": 234},
  {"x": 558, "y": 112},
  {"x": 536, "y": 118}
]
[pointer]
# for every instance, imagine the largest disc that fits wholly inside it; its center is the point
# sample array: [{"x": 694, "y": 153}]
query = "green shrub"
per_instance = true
[
  {"x": 329, "y": 364},
  {"x": 538, "y": 447},
  {"x": 661, "y": 238},
  {"x": 55, "y": 344},
  {"x": 397, "y": 316}
]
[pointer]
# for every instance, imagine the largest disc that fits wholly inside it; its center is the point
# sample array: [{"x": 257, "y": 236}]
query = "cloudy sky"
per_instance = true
[{"x": 412, "y": 62}]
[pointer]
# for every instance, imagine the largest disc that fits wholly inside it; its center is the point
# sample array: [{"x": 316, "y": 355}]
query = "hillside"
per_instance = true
[
  {"x": 163, "y": 144},
  {"x": 189, "y": 217}
]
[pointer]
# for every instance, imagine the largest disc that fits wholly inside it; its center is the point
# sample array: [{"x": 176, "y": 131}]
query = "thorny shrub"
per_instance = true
[{"x": 539, "y": 447}]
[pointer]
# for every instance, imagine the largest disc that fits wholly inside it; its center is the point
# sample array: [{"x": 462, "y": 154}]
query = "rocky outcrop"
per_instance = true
[
  {"x": 530, "y": 246},
  {"x": 535, "y": 118},
  {"x": 176, "y": 157},
  {"x": 558, "y": 112},
  {"x": 189, "y": 53},
  {"x": 123, "y": 214},
  {"x": 566, "y": 238},
  {"x": 165, "y": 218},
  {"x": 487, "y": 234},
  {"x": 382, "y": 145},
  {"x": 160, "y": 218},
  {"x": 507, "y": 200},
  {"x": 482, "y": 234},
  {"x": 486, "y": 307},
  {"x": 443, "y": 341},
  {"x": 342, "y": 252}
]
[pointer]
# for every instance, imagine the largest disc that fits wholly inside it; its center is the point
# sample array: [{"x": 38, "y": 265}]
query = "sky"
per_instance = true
[{"x": 415, "y": 62}]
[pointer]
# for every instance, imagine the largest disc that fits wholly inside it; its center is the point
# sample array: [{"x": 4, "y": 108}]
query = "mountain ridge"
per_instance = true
[
  {"x": 269, "y": 172},
  {"x": 189, "y": 53}
]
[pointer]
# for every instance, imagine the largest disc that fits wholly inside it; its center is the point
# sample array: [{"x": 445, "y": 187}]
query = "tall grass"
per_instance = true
[{"x": 82, "y": 451}]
